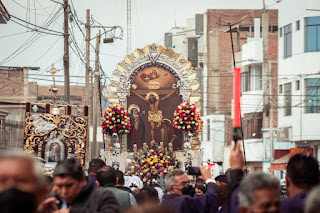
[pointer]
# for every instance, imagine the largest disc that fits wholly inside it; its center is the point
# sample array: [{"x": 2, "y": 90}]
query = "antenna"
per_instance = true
[{"x": 128, "y": 26}]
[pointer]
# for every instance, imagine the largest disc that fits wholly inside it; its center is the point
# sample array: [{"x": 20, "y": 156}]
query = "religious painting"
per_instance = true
[
  {"x": 54, "y": 153},
  {"x": 153, "y": 99}
]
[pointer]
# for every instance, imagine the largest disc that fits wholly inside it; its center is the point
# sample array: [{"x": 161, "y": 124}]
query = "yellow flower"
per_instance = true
[
  {"x": 151, "y": 150},
  {"x": 151, "y": 163},
  {"x": 148, "y": 160},
  {"x": 155, "y": 160},
  {"x": 148, "y": 154},
  {"x": 142, "y": 156},
  {"x": 168, "y": 157},
  {"x": 162, "y": 161},
  {"x": 153, "y": 167},
  {"x": 161, "y": 154},
  {"x": 146, "y": 170},
  {"x": 133, "y": 161}
]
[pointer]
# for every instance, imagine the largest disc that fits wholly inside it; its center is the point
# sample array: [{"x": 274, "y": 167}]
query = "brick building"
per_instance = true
[
  {"x": 16, "y": 90},
  {"x": 256, "y": 54}
]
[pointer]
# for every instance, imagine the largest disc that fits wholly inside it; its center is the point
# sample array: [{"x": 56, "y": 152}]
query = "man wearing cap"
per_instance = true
[{"x": 75, "y": 193}]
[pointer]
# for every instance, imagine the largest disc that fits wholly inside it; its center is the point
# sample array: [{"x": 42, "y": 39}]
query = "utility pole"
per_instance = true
[
  {"x": 66, "y": 52},
  {"x": 267, "y": 72},
  {"x": 87, "y": 91},
  {"x": 95, "y": 99}
]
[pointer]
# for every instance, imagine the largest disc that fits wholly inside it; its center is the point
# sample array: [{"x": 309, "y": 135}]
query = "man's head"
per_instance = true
[
  {"x": 69, "y": 179},
  {"x": 221, "y": 179},
  {"x": 176, "y": 181},
  {"x": 95, "y": 165},
  {"x": 21, "y": 179},
  {"x": 312, "y": 204},
  {"x": 106, "y": 176},
  {"x": 120, "y": 178},
  {"x": 259, "y": 192},
  {"x": 302, "y": 173}
]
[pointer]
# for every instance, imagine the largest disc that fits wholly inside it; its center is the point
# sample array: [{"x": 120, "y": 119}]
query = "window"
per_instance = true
[
  {"x": 287, "y": 41},
  {"x": 280, "y": 89},
  {"x": 287, "y": 99},
  {"x": 252, "y": 79},
  {"x": 297, "y": 85},
  {"x": 312, "y": 35},
  {"x": 297, "y": 25},
  {"x": 313, "y": 95},
  {"x": 208, "y": 131},
  {"x": 280, "y": 31}
]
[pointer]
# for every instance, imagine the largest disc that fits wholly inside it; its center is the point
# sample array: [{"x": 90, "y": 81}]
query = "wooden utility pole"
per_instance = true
[
  {"x": 66, "y": 52},
  {"x": 95, "y": 99},
  {"x": 87, "y": 90}
]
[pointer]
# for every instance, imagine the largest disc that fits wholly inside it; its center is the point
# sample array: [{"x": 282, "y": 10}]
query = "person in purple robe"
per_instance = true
[
  {"x": 181, "y": 196},
  {"x": 302, "y": 175}
]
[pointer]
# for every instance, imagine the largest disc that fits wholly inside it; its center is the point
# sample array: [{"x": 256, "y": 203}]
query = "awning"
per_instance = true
[{"x": 281, "y": 163}]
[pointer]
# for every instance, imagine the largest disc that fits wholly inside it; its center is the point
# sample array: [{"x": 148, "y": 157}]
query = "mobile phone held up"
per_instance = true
[{"x": 193, "y": 170}]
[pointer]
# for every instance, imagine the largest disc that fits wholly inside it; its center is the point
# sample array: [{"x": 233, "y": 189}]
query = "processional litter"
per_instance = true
[{"x": 157, "y": 89}]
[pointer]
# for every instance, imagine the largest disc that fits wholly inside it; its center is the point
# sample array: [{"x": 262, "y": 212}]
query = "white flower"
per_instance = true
[
  {"x": 141, "y": 173},
  {"x": 183, "y": 127},
  {"x": 191, "y": 106},
  {"x": 122, "y": 111},
  {"x": 179, "y": 107},
  {"x": 188, "y": 126},
  {"x": 175, "y": 122},
  {"x": 179, "y": 127},
  {"x": 181, "y": 122},
  {"x": 122, "y": 122},
  {"x": 118, "y": 108},
  {"x": 110, "y": 127},
  {"x": 192, "y": 113},
  {"x": 110, "y": 114},
  {"x": 144, "y": 180},
  {"x": 193, "y": 122},
  {"x": 185, "y": 118},
  {"x": 153, "y": 180},
  {"x": 125, "y": 131},
  {"x": 188, "y": 111},
  {"x": 132, "y": 167},
  {"x": 113, "y": 118},
  {"x": 118, "y": 120}
]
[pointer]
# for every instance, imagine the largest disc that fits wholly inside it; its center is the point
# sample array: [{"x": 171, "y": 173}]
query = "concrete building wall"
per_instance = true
[{"x": 295, "y": 70}]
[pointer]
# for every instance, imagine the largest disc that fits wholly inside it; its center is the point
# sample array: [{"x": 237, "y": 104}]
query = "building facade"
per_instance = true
[{"x": 299, "y": 74}]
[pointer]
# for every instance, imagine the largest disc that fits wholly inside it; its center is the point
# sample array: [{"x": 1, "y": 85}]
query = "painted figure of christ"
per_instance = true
[{"x": 154, "y": 114}]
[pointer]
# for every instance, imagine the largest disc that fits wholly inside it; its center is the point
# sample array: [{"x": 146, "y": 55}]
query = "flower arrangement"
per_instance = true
[
  {"x": 149, "y": 164},
  {"x": 187, "y": 118},
  {"x": 115, "y": 120}
]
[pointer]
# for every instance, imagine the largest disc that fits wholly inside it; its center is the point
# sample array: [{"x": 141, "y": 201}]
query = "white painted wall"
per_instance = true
[
  {"x": 251, "y": 101},
  {"x": 252, "y": 51},
  {"x": 191, "y": 27},
  {"x": 254, "y": 149},
  {"x": 179, "y": 40},
  {"x": 213, "y": 148},
  {"x": 298, "y": 67}
]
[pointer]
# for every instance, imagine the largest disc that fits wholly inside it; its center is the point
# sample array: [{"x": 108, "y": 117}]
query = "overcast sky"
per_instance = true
[{"x": 150, "y": 20}]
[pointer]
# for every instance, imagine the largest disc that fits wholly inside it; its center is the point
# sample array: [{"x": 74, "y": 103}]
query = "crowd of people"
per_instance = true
[{"x": 24, "y": 188}]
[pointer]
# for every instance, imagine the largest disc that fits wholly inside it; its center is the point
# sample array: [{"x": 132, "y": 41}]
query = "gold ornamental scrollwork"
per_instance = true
[{"x": 68, "y": 131}]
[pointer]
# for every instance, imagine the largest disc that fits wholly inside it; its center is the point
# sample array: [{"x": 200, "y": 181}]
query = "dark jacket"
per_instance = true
[
  {"x": 234, "y": 178},
  {"x": 294, "y": 204},
  {"x": 94, "y": 200},
  {"x": 208, "y": 202}
]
